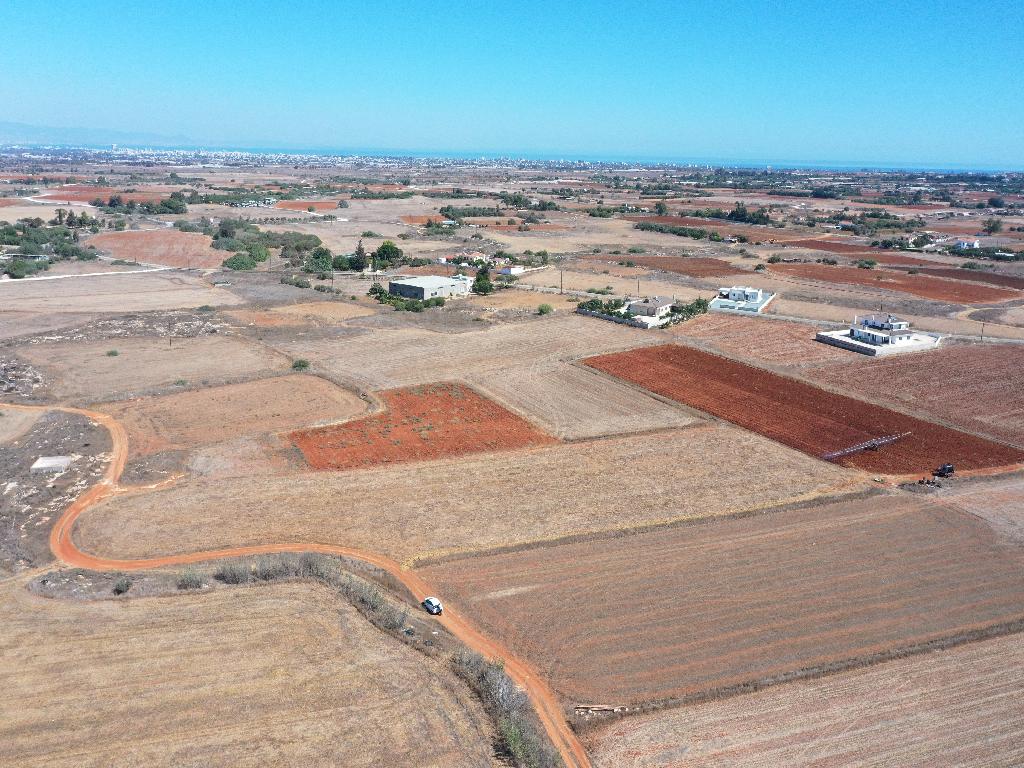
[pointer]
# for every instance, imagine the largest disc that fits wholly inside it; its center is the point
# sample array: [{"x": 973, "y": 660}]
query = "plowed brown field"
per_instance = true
[
  {"x": 916, "y": 285},
  {"x": 978, "y": 276},
  {"x": 963, "y": 706},
  {"x": 693, "y": 266},
  {"x": 86, "y": 193},
  {"x": 426, "y": 422},
  {"x": 977, "y": 387},
  {"x": 801, "y": 415},
  {"x": 770, "y": 341},
  {"x": 688, "y": 610},
  {"x": 835, "y": 246},
  {"x": 168, "y": 247}
]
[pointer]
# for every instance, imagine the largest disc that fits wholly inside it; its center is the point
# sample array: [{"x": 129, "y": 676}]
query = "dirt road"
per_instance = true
[{"x": 61, "y": 542}]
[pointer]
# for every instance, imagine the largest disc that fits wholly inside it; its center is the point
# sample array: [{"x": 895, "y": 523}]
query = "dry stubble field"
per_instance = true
[
  {"x": 472, "y": 503},
  {"x": 200, "y": 417},
  {"x": 84, "y": 372},
  {"x": 272, "y": 675},
  {"x": 168, "y": 247},
  {"x": 963, "y": 706},
  {"x": 677, "y": 612}
]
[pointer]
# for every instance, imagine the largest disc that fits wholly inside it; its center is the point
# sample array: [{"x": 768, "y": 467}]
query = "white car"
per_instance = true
[{"x": 433, "y": 606}]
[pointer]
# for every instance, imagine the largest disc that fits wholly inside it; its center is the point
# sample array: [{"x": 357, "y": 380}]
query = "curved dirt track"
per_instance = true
[{"x": 61, "y": 543}]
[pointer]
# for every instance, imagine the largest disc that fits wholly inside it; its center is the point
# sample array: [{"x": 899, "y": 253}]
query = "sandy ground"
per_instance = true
[
  {"x": 271, "y": 675},
  {"x": 216, "y": 414},
  {"x": 138, "y": 292},
  {"x": 14, "y": 424},
  {"x": 85, "y": 372},
  {"x": 426, "y": 508},
  {"x": 963, "y": 706},
  {"x": 167, "y": 247},
  {"x": 325, "y": 311}
]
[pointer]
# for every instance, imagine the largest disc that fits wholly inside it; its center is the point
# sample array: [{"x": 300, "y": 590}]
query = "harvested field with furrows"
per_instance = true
[
  {"x": 963, "y": 706},
  {"x": 214, "y": 414},
  {"x": 189, "y": 680},
  {"x": 889, "y": 258},
  {"x": 801, "y": 415},
  {"x": 125, "y": 292},
  {"x": 85, "y": 372},
  {"x": 926, "y": 287},
  {"x": 777, "y": 342},
  {"x": 167, "y": 247},
  {"x": 543, "y": 493},
  {"x": 574, "y": 403},
  {"x": 305, "y": 205},
  {"x": 696, "y": 609},
  {"x": 426, "y": 422},
  {"x": 977, "y": 387},
  {"x": 978, "y": 276},
  {"x": 693, "y": 266}
]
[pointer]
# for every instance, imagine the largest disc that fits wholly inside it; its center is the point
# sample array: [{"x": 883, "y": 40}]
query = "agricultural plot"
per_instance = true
[
  {"x": 978, "y": 276},
  {"x": 934, "y": 288},
  {"x": 167, "y": 247},
  {"x": 114, "y": 292},
  {"x": 215, "y": 414},
  {"x": 697, "y": 609},
  {"x": 478, "y": 501},
  {"x": 574, "y": 403},
  {"x": 692, "y": 266},
  {"x": 842, "y": 247},
  {"x": 418, "y": 423},
  {"x": 976, "y": 387},
  {"x": 800, "y": 415},
  {"x": 86, "y": 372},
  {"x": 325, "y": 311},
  {"x": 961, "y": 706},
  {"x": 190, "y": 680},
  {"x": 999, "y": 501},
  {"x": 775, "y": 342},
  {"x": 305, "y": 205}
]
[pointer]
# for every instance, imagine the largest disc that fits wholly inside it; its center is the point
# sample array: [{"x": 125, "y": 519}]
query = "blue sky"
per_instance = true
[{"x": 814, "y": 82}]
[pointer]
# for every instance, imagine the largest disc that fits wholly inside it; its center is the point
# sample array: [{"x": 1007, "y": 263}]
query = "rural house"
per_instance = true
[{"x": 429, "y": 287}]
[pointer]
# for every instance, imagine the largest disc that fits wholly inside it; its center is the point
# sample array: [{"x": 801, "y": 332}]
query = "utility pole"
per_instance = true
[
  {"x": 559, "y": 282},
  {"x": 983, "y": 331}
]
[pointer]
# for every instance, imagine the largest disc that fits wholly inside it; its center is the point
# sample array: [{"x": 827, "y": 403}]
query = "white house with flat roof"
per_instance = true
[
  {"x": 430, "y": 287},
  {"x": 741, "y": 298},
  {"x": 878, "y": 335}
]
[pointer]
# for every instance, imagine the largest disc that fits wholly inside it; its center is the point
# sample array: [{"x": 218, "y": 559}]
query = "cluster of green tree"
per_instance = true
[
  {"x": 894, "y": 198},
  {"x": 875, "y": 220},
  {"x": 72, "y": 221},
  {"x": 116, "y": 204},
  {"x": 246, "y": 238},
  {"x": 455, "y": 194},
  {"x": 519, "y": 200},
  {"x": 695, "y": 232},
  {"x": 899, "y": 243},
  {"x": 610, "y": 307},
  {"x": 482, "y": 282},
  {"x": 683, "y": 312},
  {"x": 739, "y": 213},
  {"x": 458, "y": 213},
  {"x": 866, "y": 263},
  {"x": 365, "y": 194},
  {"x": 40, "y": 245},
  {"x": 401, "y": 304},
  {"x": 994, "y": 254}
]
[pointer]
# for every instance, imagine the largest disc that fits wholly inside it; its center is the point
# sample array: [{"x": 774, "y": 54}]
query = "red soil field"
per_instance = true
[
  {"x": 8, "y": 202},
  {"x": 168, "y": 247},
  {"x": 693, "y": 266},
  {"x": 834, "y": 246},
  {"x": 889, "y": 258},
  {"x": 977, "y": 387},
  {"x": 933, "y": 288},
  {"x": 86, "y": 193},
  {"x": 303, "y": 205},
  {"x": 420, "y": 423},
  {"x": 675, "y": 612},
  {"x": 978, "y": 276},
  {"x": 801, "y": 415},
  {"x": 437, "y": 218}
]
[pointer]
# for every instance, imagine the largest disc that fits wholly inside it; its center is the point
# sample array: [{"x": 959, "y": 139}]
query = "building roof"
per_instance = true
[
  {"x": 429, "y": 281},
  {"x": 655, "y": 301}
]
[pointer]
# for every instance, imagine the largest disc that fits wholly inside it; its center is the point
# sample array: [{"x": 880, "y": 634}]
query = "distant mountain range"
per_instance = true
[{"x": 23, "y": 133}]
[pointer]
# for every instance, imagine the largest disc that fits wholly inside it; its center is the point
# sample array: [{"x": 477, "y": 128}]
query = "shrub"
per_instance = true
[
  {"x": 774, "y": 258},
  {"x": 271, "y": 568},
  {"x": 371, "y": 233},
  {"x": 867, "y": 264},
  {"x": 300, "y": 364},
  {"x": 545, "y": 309},
  {"x": 204, "y": 308},
  {"x": 112, "y": 353},
  {"x": 234, "y": 572},
  {"x": 122, "y": 585},
  {"x": 239, "y": 262},
  {"x": 190, "y": 579}
]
